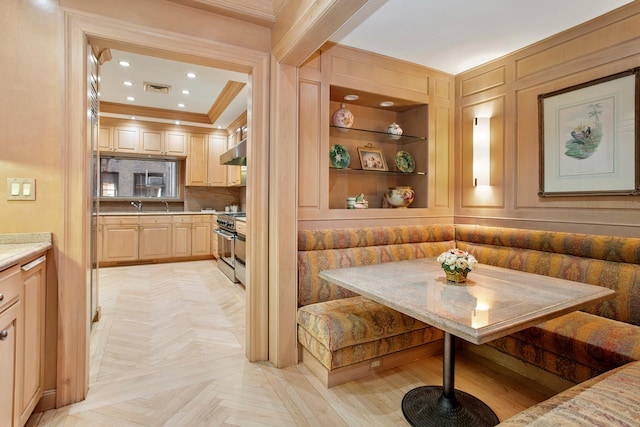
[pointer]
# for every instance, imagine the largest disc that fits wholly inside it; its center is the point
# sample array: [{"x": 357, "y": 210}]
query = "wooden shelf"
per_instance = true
[{"x": 365, "y": 171}]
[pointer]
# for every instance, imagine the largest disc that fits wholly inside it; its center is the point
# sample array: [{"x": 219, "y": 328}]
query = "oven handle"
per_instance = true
[{"x": 224, "y": 234}]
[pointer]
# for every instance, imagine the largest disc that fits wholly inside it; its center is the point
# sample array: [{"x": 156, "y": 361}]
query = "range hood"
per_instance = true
[{"x": 235, "y": 156}]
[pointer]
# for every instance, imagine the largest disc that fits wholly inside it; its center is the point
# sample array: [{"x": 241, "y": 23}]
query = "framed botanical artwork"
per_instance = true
[
  {"x": 372, "y": 158},
  {"x": 589, "y": 138}
]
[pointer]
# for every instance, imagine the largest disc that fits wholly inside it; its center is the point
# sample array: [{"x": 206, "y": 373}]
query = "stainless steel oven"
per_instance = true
[{"x": 226, "y": 232}]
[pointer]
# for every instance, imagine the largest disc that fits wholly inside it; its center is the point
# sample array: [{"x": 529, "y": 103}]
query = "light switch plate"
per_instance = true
[{"x": 21, "y": 189}]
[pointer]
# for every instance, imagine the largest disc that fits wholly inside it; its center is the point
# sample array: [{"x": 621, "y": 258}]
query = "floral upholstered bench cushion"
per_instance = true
[
  {"x": 580, "y": 345},
  {"x": 340, "y": 328},
  {"x": 611, "y": 399},
  {"x": 346, "y": 331}
]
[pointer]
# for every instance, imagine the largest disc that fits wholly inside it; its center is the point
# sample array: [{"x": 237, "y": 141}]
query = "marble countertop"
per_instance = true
[
  {"x": 492, "y": 303},
  {"x": 15, "y": 248}
]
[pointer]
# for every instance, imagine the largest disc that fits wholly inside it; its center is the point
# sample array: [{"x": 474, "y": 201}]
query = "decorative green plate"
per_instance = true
[
  {"x": 339, "y": 156},
  {"x": 405, "y": 162}
]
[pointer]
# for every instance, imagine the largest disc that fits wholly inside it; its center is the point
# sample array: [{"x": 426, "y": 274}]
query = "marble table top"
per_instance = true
[{"x": 492, "y": 303}]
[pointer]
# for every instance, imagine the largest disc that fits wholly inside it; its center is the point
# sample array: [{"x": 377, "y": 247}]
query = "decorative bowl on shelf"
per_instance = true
[
  {"x": 399, "y": 197},
  {"x": 456, "y": 264},
  {"x": 394, "y": 130}
]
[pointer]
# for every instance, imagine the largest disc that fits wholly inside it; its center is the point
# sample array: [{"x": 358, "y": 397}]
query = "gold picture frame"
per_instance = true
[{"x": 372, "y": 159}]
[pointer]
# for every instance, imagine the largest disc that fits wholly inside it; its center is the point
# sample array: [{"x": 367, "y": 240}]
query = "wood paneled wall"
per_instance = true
[{"x": 507, "y": 89}]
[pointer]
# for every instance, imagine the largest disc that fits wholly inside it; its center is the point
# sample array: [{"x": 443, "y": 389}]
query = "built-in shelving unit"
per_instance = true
[{"x": 354, "y": 179}]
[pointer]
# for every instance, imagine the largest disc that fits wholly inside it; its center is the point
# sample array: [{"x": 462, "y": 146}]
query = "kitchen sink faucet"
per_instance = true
[{"x": 137, "y": 205}]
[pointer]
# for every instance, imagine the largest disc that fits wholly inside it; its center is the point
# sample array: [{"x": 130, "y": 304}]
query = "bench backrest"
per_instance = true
[
  {"x": 613, "y": 262},
  {"x": 320, "y": 250}
]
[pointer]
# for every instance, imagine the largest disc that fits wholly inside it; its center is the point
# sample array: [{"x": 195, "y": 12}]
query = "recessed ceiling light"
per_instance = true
[
  {"x": 191, "y": 75},
  {"x": 185, "y": 92},
  {"x": 133, "y": 117},
  {"x": 351, "y": 97},
  {"x": 127, "y": 83},
  {"x": 130, "y": 98},
  {"x": 386, "y": 104},
  {"x": 178, "y": 122},
  {"x": 124, "y": 63},
  {"x": 181, "y": 105}
]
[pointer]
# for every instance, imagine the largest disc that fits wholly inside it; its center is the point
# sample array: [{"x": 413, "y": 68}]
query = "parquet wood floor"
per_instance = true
[{"x": 169, "y": 351}]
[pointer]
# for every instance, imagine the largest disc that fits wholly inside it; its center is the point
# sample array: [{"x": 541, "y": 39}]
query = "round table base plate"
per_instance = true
[{"x": 422, "y": 407}]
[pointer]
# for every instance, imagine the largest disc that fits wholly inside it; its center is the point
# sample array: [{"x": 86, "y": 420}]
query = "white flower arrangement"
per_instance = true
[{"x": 456, "y": 260}]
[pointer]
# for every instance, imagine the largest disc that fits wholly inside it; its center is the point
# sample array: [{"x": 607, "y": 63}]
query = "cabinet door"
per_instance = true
[
  {"x": 151, "y": 141},
  {"x": 214, "y": 236},
  {"x": 181, "y": 246},
  {"x": 126, "y": 139},
  {"x": 9, "y": 365},
  {"x": 198, "y": 159},
  {"x": 119, "y": 243},
  {"x": 155, "y": 240},
  {"x": 201, "y": 238},
  {"x": 217, "y": 172},
  {"x": 33, "y": 303},
  {"x": 175, "y": 143},
  {"x": 105, "y": 138}
]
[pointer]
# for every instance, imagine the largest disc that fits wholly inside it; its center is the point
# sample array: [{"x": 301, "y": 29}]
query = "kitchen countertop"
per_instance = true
[
  {"x": 160, "y": 213},
  {"x": 18, "y": 247}
]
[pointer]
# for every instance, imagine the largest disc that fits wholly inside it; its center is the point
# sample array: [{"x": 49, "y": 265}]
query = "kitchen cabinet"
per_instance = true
[
  {"x": 203, "y": 162},
  {"x": 105, "y": 138},
  {"x": 234, "y": 173},
  {"x": 10, "y": 343},
  {"x": 163, "y": 143},
  {"x": 126, "y": 139},
  {"x": 201, "y": 236},
  {"x": 214, "y": 236},
  {"x": 154, "y": 237},
  {"x": 33, "y": 276},
  {"x": 119, "y": 238},
  {"x": 181, "y": 233}
]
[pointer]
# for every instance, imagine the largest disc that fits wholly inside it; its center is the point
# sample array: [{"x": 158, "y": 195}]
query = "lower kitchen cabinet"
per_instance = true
[
  {"x": 201, "y": 236},
  {"x": 10, "y": 344},
  {"x": 22, "y": 329},
  {"x": 214, "y": 236},
  {"x": 181, "y": 232},
  {"x": 154, "y": 237},
  {"x": 131, "y": 238},
  {"x": 119, "y": 238},
  {"x": 34, "y": 281}
]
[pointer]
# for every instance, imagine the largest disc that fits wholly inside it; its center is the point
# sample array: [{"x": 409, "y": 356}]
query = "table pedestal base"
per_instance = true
[{"x": 427, "y": 406}]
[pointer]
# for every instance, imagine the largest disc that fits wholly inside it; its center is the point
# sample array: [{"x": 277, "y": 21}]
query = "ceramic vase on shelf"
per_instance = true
[
  {"x": 399, "y": 197},
  {"x": 342, "y": 118}
]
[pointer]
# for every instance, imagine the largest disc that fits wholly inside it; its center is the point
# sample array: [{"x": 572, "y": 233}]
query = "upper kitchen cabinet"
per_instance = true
[
  {"x": 126, "y": 137},
  {"x": 203, "y": 163},
  {"x": 362, "y": 157}
]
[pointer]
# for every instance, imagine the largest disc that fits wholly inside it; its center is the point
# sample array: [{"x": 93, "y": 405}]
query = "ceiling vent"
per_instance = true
[{"x": 157, "y": 88}]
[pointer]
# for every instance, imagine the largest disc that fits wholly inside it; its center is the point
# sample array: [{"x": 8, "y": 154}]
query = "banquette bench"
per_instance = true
[{"x": 343, "y": 336}]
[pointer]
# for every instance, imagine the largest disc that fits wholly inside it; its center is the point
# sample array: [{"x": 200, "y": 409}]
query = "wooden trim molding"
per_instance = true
[
  {"x": 227, "y": 95},
  {"x": 158, "y": 113}
]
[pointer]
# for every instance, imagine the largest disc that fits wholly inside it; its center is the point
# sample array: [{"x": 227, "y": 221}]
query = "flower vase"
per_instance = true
[{"x": 456, "y": 276}]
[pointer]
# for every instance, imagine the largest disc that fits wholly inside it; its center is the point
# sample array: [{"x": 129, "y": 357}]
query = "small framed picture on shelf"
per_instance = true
[{"x": 372, "y": 158}]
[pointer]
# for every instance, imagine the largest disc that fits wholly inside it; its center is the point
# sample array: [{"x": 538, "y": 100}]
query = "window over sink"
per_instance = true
[{"x": 140, "y": 178}]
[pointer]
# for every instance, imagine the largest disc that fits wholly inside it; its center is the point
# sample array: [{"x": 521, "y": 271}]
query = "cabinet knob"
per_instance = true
[
  {"x": 3, "y": 335},
  {"x": 1, "y": 297}
]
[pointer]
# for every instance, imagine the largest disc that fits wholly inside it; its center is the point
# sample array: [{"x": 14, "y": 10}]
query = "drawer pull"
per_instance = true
[
  {"x": 33, "y": 263},
  {"x": 3, "y": 335}
]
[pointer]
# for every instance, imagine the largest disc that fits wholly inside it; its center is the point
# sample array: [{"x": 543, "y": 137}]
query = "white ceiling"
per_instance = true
[
  {"x": 456, "y": 35},
  {"x": 203, "y": 90},
  {"x": 447, "y": 35}
]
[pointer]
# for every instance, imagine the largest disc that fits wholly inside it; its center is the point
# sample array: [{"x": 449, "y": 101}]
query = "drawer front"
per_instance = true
[
  {"x": 155, "y": 219},
  {"x": 120, "y": 220},
  {"x": 10, "y": 285},
  {"x": 182, "y": 219},
  {"x": 241, "y": 227},
  {"x": 202, "y": 219}
]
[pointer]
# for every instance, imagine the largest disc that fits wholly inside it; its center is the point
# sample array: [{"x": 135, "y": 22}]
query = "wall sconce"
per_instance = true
[{"x": 481, "y": 151}]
